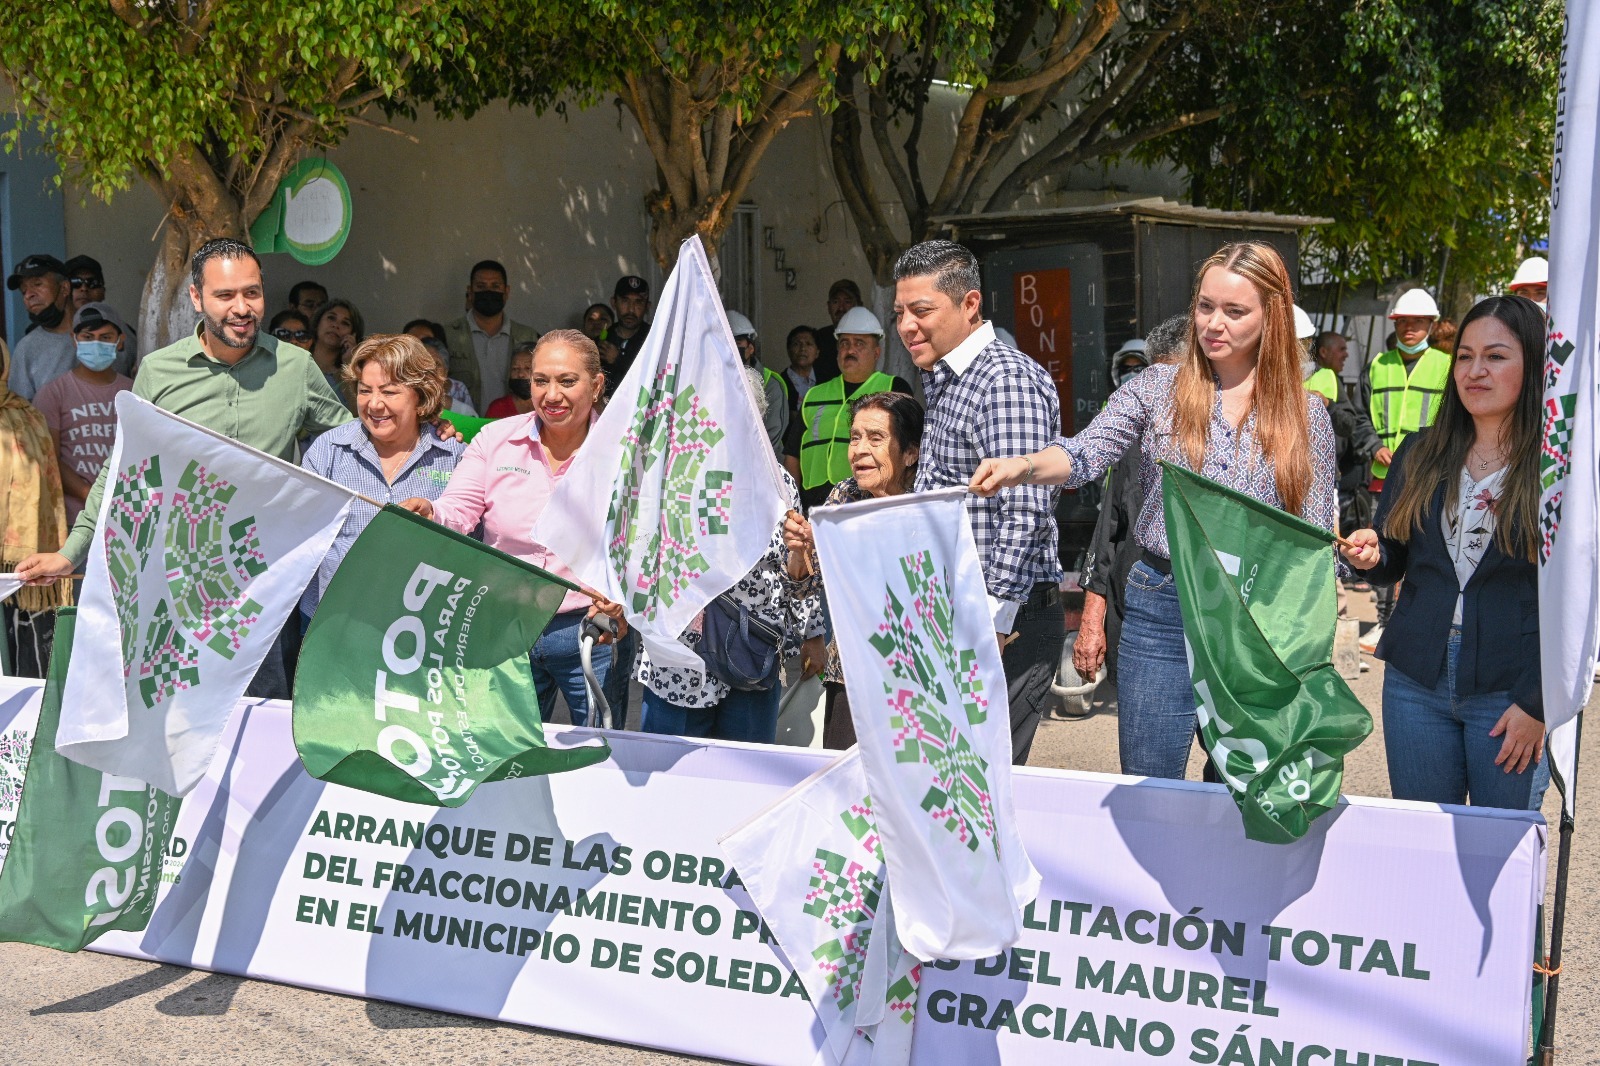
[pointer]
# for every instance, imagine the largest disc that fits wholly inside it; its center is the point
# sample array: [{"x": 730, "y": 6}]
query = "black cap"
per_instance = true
[
  {"x": 632, "y": 285},
  {"x": 84, "y": 264},
  {"x": 96, "y": 314},
  {"x": 35, "y": 266}
]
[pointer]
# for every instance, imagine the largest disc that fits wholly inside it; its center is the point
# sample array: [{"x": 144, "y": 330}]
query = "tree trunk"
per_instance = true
[{"x": 672, "y": 224}]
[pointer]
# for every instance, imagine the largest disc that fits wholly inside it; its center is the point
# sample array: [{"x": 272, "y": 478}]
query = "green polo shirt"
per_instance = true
[{"x": 268, "y": 400}]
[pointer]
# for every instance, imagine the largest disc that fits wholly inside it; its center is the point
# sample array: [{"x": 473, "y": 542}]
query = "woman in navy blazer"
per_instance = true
[{"x": 1462, "y": 712}]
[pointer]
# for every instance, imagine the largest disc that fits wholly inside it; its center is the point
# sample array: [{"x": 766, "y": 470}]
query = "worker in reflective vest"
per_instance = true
[
  {"x": 1404, "y": 388},
  {"x": 823, "y": 458},
  {"x": 1407, "y": 382}
]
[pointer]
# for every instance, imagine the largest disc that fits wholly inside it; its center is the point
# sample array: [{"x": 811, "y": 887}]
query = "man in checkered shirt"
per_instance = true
[{"x": 986, "y": 398}]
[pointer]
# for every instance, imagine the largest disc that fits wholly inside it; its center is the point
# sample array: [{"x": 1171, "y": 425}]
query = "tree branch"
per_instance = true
[{"x": 1063, "y": 67}]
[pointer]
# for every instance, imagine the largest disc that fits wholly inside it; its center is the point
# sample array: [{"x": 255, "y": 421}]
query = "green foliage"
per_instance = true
[
  {"x": 1419, "y": 125},
  {"x": 1420, "y": 128},
  {"x": 122, "y": 89}
]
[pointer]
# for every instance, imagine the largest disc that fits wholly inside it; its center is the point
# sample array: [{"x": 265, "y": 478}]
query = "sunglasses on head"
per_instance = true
[
  {"x": 286, "y": 334},
  {"x": 87, "y": 283}
]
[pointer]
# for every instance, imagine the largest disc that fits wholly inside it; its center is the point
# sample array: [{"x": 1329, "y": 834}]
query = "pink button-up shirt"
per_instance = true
[{"x": 504, "y": 479}]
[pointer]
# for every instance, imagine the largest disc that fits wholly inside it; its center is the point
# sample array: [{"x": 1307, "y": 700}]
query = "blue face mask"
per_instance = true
[{"x": 97, "y": 355}]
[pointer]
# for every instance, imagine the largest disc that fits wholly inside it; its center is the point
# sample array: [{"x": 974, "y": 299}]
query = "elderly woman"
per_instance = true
[
  {"x": 391, "y": 452},
  {"x": 519, "y": 380},
  {"x": 695, "y": 703},
  {"x": 507, "y": 476},
  {"x": 885, "y": 437}
]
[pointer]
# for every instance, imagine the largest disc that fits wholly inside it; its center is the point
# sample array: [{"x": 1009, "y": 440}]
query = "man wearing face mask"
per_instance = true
[
  {"x": 482, "y": 340},
  {"x": 80, "y": 405},
  {"x": 1402, "y": 389},
  {"x": 48, "y": 351}
]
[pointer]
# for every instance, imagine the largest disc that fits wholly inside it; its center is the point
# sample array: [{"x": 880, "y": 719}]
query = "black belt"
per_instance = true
[
  {"x": 1044, "y": 594},
  {"x": 1156, "y": 563}
]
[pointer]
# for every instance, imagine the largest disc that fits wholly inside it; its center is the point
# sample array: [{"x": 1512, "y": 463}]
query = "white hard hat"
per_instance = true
[
  {"x": 1134, "y": 345},
  {"x": 741, "y": 326},
  {"x": 1415, "y": 302},
  {"x": 858, "y": 320},
  {"x": 1303, "y": 329},
  {"x": 1534, "y": 270}
]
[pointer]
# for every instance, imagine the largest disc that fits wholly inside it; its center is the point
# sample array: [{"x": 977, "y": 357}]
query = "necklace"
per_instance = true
[{"x": 1484, "y": 463}]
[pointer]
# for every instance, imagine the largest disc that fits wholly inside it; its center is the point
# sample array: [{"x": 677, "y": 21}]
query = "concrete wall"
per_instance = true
[{"x": 558, "y": 199}]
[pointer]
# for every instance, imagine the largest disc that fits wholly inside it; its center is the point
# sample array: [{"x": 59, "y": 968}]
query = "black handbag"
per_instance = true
[{"x": 739, "y": 648}]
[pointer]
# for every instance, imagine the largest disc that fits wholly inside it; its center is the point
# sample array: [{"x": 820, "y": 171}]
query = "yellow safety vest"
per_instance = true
[
  {"x": 825, "y": 441},
  {"x": 1324, "y": 383},
  {"x": 1404, "y": 402}
]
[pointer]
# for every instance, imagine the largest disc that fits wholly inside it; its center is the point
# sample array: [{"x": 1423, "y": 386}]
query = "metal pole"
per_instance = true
[{"x": 1558, "y": 918}]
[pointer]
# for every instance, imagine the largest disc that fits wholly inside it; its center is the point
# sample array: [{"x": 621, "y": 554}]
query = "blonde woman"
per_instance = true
[{"x": 1233, "y": 407}]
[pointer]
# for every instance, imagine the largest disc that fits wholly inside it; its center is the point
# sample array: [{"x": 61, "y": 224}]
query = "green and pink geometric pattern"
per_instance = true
[
  {"x": 932, "y": 677},
  {"x": 207, "y": 565},
  {"x": 675, "y": 428}
]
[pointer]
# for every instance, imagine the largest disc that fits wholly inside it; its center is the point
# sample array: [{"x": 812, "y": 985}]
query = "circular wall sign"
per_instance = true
[{"x": 309, "y": 216}]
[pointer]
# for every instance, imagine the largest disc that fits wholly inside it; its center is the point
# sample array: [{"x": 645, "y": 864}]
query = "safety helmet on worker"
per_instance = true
[
  {"x": 858, "y": 321},
  {"x": 1415, "y": 303}
]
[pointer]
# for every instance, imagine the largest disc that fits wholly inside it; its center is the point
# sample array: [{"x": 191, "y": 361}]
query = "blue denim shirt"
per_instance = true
[{"x": 346, "y": 455}]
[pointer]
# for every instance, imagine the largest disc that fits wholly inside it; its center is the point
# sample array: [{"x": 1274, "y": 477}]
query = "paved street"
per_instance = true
[{"x": 71, "y": 1009}]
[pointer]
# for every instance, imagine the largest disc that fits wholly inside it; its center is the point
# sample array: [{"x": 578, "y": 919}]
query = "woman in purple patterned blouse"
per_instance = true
[{"x": 1234, "y": 409}]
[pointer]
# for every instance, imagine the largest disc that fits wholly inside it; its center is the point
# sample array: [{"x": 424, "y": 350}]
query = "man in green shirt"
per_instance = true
[{"x": 230, "y": 377}]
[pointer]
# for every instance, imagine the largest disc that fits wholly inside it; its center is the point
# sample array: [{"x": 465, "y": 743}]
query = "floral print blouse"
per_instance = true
[
  {"x": 1142, "y": 410},
  {"x": 1469, "y": 525}
]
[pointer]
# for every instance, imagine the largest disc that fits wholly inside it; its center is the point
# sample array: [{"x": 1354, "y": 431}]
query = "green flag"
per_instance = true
[
  {"x": 87, "y": 848},
  {"x": 469, "y": 425},
  {"x": 1256, "y": 587},
  {"x": 414, "y": 680}
]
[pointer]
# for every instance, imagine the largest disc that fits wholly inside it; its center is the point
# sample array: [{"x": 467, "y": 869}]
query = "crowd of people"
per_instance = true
[{"x": 1427, "y": 465}]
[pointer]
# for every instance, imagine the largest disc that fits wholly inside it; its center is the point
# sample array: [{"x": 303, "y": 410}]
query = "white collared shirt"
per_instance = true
[
  {"x": 964, "y": 353},
  {"x": 494, "y": 357}
]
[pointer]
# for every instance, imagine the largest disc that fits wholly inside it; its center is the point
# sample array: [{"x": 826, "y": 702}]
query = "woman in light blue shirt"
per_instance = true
[{"x": 392, "y": 451}]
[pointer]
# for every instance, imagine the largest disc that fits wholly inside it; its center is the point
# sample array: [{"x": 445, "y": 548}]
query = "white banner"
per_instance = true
[
  {"x": 202, "y": 549},
  {"x": 1569, "y": 465},
  {"x": 683, "y": 458},
  {"x": 597, "y": 903},
  {"x": 928, "y": 695}
]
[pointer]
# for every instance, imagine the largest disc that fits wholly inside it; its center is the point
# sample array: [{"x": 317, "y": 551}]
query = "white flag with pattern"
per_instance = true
[
  {"x": 202, "y": 548},
  {"x": 928, "y": 696},
  {"x": 675, "y": 494},
  {"x": 1569, "y": 465}
]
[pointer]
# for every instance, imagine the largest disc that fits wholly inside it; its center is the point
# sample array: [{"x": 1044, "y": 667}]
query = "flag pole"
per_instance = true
[{"x": 1558, "y": 916}]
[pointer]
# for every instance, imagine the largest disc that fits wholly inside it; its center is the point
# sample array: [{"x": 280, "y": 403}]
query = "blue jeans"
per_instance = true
[
  {"x": 1155, "y": 697},
  {"x": 747, "y": 716},
  {"x": 1440, "y": 750},
  {"x": 556, "y": 665}
]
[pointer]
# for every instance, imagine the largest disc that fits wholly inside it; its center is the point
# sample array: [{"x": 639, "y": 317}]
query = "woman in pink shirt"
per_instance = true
[{"x": 505, "y": 478}]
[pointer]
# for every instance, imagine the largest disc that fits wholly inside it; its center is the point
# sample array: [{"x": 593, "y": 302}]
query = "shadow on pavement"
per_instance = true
[
  {"x": 111, "y": 995},
  {"x": 209, "y": 997}
]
